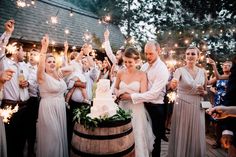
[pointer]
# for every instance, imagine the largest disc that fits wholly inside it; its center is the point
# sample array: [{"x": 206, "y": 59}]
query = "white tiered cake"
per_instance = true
[{"x": 103, "y": 103}]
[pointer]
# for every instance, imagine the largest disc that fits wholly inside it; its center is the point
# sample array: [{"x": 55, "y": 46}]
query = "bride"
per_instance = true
[{"x": 131, "y": 80}]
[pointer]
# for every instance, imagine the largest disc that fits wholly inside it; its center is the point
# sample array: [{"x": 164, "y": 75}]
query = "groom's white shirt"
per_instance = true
[{"x": 157, "y": 76}]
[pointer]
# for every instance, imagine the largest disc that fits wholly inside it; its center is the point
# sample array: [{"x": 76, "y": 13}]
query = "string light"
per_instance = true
[
  {"x": 176, "y": 45},
  {"x": 67, "y": 31},
  {"x": 74, "y": 47},
  {"x": 180, "y": 33},
  {"x": 71, "y": 12},
  {"x": 186, "y": 41}
]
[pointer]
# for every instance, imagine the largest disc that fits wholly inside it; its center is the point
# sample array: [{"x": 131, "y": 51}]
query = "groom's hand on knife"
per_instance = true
[{"x": 125, "y": 96}]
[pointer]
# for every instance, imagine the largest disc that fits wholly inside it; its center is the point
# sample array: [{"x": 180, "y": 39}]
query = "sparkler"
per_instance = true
[
  {"x": 24, "y": 3},
  {"x": 87, "y": 37},
  {"x": 21, "y": 3},
  {"x": 54, "y": 20},
  {"x": 172, "y": 96},
  {"x": 7, "y": 113},
  {"x": 105, "y": 20},
  {"x": 12, "y": 48}
]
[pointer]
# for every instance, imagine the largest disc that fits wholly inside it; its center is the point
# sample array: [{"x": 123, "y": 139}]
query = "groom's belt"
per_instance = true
[{"x": 152, "y": 104}]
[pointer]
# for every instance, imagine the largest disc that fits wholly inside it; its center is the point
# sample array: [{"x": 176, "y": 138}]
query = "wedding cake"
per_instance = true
[{"x": 103, "y": 103}]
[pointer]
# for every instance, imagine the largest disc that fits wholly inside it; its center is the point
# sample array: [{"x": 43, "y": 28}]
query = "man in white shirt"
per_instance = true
[
  {"x": 15, "y": 130},
  {"x": 157, "y": 74},
  {"x": 33, "y": 102}
]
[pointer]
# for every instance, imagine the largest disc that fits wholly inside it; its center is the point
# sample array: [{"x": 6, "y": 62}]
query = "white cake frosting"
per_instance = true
[{"x": 103, "y": 103}]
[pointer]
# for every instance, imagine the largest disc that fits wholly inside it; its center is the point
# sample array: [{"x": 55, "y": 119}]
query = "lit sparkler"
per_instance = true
[
  {"x": 54, "y": 20},
  {"x": 24, "y": 3},
  {"x": 172, "y": 96},
  {"x": 7, "y": 113},
  {"x": 12, "y": 48},
  {"x": 21, "y": 3},
  {"x": 105, "y": 20},
  {"x": 87, "y": 37}
]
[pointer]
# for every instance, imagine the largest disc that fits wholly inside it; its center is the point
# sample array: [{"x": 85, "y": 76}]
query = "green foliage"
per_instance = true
[{"x": 81, "y": 116}]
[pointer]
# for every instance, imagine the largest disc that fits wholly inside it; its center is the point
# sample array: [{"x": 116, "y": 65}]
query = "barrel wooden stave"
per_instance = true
[{"x": 99, "y": 147}]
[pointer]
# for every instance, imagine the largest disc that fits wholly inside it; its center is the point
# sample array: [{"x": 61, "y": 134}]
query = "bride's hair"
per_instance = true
[{"x": 132, "y": 53}]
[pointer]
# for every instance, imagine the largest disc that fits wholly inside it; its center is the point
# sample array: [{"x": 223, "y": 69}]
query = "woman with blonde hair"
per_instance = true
[{"x": 188, "y": 120}]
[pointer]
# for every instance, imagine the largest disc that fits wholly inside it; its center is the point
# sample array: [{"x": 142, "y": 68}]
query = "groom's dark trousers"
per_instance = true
[{"x": 157, "y": 114}]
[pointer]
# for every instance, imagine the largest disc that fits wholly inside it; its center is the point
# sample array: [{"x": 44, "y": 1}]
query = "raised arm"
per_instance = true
[
  {"x": 9, "y": 28},
  {"x": 42, "y": 59},
  {"x": 117, "y": 83},
  {"x": 217, "y": 74},
  {"x": 66, "y": 46},
  {"x": 108, "y": 49}
]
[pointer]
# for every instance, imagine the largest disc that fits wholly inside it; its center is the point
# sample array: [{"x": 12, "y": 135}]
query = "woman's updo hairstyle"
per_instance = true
[
  {"x": 193, "y": 48},
  {"x": 132, "y": 53}
]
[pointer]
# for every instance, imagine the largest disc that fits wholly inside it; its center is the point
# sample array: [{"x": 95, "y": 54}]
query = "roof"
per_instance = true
[{"x": 34, "y": 21}]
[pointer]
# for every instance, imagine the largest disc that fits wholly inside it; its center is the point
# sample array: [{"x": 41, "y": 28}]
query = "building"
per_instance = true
[{"x": 33, "y": 21}]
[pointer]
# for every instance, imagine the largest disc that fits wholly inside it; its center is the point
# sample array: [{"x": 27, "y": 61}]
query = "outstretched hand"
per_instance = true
[
  {"x": 218, "y": 112},
  {"x": 211, "y": 61},
  {"x": 106, "y": 34}
]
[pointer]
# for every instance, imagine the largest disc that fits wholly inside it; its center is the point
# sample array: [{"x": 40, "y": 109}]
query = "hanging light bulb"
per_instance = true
[
  {"x": 71, "y": 12},
  {"x": 67, "y": 31}
]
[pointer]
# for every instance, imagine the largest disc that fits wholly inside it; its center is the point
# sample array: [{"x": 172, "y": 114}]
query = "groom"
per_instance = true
[{"x": 157, "y": 74}]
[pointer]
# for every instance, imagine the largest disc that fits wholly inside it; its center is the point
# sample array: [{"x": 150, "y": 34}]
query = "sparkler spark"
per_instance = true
[
  {"x": 54, "y": 20},
  {"x": 7, "y": 113},
  {"x": 12, "y": 48},
  {"x": 87, "y": 37},
  {"x": 21, "y": 3},
  {"x": 172, "y": 96}
]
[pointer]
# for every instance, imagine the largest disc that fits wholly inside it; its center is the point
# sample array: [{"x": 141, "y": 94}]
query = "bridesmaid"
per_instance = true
[
  {"x": 188, "y": 121},
  {"x": 51, "y": 125}
]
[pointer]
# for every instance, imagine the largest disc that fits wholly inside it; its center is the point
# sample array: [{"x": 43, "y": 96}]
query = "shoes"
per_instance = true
[
  {"x": 216, "y": 145},
  {"x": 164, "y": 138}
]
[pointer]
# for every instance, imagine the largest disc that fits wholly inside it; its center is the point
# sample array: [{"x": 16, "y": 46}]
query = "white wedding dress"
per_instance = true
[{"x": 143, "y": 135}]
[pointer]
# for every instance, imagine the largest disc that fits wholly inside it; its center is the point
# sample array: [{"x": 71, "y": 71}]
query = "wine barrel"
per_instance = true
[{"x": 113, "y": 139}]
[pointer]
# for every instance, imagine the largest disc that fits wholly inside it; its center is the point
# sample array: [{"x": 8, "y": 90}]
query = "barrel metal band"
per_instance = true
[
  {"x": 119, "y": 154},
  {"x": 103, "y": 137}
]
